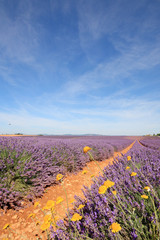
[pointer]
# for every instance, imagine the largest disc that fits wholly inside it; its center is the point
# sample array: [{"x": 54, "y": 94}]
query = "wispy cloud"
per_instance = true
[{"x": 80, "y": 66}]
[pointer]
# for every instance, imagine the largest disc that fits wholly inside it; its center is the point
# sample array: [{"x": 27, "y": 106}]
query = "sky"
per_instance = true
[{"x": 80, "y": 67}]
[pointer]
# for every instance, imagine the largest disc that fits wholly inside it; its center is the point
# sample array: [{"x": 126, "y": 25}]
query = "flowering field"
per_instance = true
[
  {"x": 29, "y": 164},
  {"x": 123, "y": 203},
  {"x": 151, "y": 142}
]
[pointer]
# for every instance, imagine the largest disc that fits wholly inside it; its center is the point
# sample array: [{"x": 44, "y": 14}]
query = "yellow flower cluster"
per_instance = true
[
  {"x": 48, "y": 220},
  {"x": 107, "y": 184},
  {"x": 76, "y": 217}
]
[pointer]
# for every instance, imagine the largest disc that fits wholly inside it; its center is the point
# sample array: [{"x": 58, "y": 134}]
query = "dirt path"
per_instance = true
[{"x": 73, "y": 184}]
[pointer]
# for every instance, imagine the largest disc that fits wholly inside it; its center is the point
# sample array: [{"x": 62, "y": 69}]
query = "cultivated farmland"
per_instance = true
[{"x": 122, "y": 203}]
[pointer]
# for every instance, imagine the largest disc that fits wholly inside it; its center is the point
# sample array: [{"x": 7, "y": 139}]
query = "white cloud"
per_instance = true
[{"x": 18, "y": 38}]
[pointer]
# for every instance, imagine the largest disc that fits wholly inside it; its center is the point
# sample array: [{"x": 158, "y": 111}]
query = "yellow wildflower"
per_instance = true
[
  {"x": 59, "y": 177},
  {"x": 108, "y": 183},
  {"x": 114, "y": 192},
  {"x": 133, "y": 174},
  {"x": 6, "y": 226},
  {"x": 31, "y": 215},
  {"x": 127, "y": 168},
  {"x": 147, "y": 188},
  {"x": 47, "y": 218},
  {"x": 144, "y": 196},
  {"x": 76, "y": 217},
  {"x": 59, "y": 200},
  {"x": 128, "y": 158},
  {"x": 92, "y": 176},
  {"x": 115, "y": 227},
  {"x": 81, "y": 206},
  {"x": 84, "y": 171},
  {"x": 102, "y": 189},
  {"x": 45, "y": 226},
  {"x": 36, "y": 204},
  {"x": 86, "y": 149},
  {"x": 50, "y": 204}
]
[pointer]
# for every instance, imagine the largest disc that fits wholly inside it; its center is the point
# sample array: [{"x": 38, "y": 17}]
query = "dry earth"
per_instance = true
[{"x": 25, "y": 228}]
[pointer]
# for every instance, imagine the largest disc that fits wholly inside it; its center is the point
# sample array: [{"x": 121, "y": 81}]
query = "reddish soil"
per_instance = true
[{"x": 22, "y": 227}]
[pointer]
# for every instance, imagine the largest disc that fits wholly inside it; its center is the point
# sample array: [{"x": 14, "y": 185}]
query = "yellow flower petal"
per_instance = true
[
  {"x": 86, "y": 149},
  {"x": 133, "y": 174},
  {"x": 147, "y": 188},
  {"x": 144, "y": 196},
  {"x": 76, "y": 217},
  {"x": 47, "y": 218},
  {"x": 31, "y": 215},
  {"x": 6, "y": 226},
  {"x": 36, "y": 204},
  {"x": 128, "y": 158},
  {"x": 127, "y": 168},
  {"x": 115, "y": 227},
  {"x": 102, "y": 189},
  {"x": 108, "y": 183},
  {"x": 114, "y": 192},
  {"x": 59, "y": 177},
  {"x": 45, "y": 226},
  {"x": 84, "y": 171}
]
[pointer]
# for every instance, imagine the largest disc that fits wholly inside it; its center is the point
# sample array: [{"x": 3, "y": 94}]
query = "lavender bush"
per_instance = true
[{"x": 152, "y": 142}]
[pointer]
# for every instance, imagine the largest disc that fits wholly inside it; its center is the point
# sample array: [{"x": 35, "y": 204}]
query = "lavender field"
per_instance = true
[
  {"x": 151, "y": 142},
  {"x": 30, "y": 164},
  {"x": 123, "y": 203}
]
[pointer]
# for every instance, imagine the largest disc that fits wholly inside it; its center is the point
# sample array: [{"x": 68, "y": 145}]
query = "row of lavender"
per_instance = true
[
  {"x": 128, "y": 208},
  {"x": 29, "y": 164},
  {"x": 152, "y": 142}
]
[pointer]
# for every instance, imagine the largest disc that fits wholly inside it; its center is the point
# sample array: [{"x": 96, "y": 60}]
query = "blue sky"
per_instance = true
[{"x": 74, "y": 67}]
